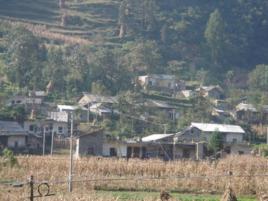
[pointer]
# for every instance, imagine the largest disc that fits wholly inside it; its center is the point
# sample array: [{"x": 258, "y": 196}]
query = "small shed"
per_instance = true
[
  {"x": 12, "y": 135},
  {"x": 89, "y": 143}
]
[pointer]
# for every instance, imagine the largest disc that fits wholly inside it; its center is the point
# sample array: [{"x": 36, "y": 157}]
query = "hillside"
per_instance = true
[
  {"x": 88, "y": 19},
  {"x": 101, "y": 46}
]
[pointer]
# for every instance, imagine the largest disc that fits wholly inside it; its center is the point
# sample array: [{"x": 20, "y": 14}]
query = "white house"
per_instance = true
[
  {"x": 38, "y": 127},
  {"x": 203, "y": 131},
  {"x": 80, "y": 113},
  {"x": 162, "y": 81}
]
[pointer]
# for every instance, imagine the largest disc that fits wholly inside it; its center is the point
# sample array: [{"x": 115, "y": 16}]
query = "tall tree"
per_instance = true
[{"x": 215, "y": 35}]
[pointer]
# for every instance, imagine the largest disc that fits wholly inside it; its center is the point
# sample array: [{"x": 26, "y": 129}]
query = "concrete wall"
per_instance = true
[
  {"x": 60, "y": 128},
  {"x": 180, "y": 152},
  {"x": 121, "y": 148},
  {"x": 20, "y": 140},
  {"x": 91, "y": 144},
  {"x": 240, "y": 149},
  {"x": 232, "y": 137}
]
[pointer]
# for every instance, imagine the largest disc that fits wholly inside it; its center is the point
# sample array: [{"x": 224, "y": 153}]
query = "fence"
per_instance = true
[{"x": 40, "y": 189}]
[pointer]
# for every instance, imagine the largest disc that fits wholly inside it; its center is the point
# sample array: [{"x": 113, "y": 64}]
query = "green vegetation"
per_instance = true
[
  {"x": 100, "y": 46},
  {"x": 215, "y": 143},
  {"x": 138, "y": 195},
  {"x": 8, "y": 158}
]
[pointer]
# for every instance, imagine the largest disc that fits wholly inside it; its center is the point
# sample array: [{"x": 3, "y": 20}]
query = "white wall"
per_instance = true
[
  {"x": 64, "y": 126},
  {"x": 120, "y": 148},
  {"x": 231, "y": 136},
  {"x": 19, "y": 139}
]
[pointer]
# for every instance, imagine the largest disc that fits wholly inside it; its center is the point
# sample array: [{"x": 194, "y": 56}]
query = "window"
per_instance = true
[
  {"x": 60, "y": 129},
  {"x": 31, "y": 127}
]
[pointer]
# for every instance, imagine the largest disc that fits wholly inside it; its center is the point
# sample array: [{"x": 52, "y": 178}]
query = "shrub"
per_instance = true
[{"x": 9, "y": 158}]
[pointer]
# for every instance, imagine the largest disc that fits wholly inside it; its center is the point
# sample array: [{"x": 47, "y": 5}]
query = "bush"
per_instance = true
[{"x": 8, "y": 158}]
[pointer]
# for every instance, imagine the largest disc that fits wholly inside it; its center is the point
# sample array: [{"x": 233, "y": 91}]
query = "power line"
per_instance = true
[{"x": 85, "y": 178}]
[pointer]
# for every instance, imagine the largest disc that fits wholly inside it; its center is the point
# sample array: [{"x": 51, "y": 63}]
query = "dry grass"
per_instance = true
[{"x": 56, "y": 169}]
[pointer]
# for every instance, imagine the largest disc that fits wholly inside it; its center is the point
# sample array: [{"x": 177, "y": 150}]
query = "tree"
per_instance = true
[
  {"x": 108, "y": 71},
  {"x": 143, "y": 57},
  {"x": 258, "y": 78},
  {"x": 215, "y": 143},
  {"x": 55, "y": 69},
  {"x": 215, "y": 35},
  {"x": 26, "y": 57}
]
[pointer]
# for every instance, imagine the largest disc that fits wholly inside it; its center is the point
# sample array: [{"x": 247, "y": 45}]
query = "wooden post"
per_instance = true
[
  {"x": 44, "y": 140},
  {"x": 70, "y": 187},
  {"x": 31, "y": 188}
]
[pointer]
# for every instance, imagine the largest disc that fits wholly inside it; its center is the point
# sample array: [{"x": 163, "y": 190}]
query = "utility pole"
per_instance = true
[
  {"x": 71, "y": 155},
  {"x": 44, "y": 140},
  {"x": 52, "y": 143},
  {"x": 267, "y": 135},
  {"x": 88, "y": 113}
]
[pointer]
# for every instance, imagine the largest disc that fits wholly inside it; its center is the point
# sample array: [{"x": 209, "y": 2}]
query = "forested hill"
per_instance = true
[{"x": 100, "y": 44}]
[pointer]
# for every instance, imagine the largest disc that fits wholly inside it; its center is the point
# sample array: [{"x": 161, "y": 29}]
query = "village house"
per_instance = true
[
  {"x": 167, "y": 83},
  {"x": 232, "y": 136},
  {"x": 186, "y": 94},
  {"x": 162, "y": 146},
  {"x": 100, "y": 106},
  {"x": 167, "y": 147},
  {"x": 213, "y": 92},
  {"x": 13, "y": 136},
  {"x": 247, "y": 113},
  {"x": 89, "y": 143},
  {"x": 48, "y": 126},
  {"x": 37, "y": 94},
  {"x": 24, "y": 100},
  {"x": 170, "y": 111},
  {"x": 126, "y": 148},
  {"x": 79, "y": 113},
  {"x": 87, "y": 99},
  {"x": 203, "y": 131}
]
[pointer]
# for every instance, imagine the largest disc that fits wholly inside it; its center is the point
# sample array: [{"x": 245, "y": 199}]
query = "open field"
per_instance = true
[{"x": 249, "y": 175}]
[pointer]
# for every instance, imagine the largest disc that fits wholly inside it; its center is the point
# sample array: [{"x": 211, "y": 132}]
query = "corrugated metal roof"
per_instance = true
[
  {"x": 11, "y": 128},
  {"x": 155, "y": 137},
  {"x": 69, "y": 107},
  {"x": 159, "y": 104},
  {"x": 223, "y": 128},
  {"x": 245, "y": 107},
  {"x": 92, "y": 98}
]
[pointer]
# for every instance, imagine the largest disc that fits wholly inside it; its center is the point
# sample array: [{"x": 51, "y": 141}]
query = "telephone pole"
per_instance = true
[
  {"x": 44, "y": 140},
  {"x": 70, "y": 187},
  {"x": 52, "y": 143}
]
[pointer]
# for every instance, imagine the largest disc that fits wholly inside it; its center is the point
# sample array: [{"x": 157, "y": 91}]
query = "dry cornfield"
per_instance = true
[{"x": 249, "y": 174}]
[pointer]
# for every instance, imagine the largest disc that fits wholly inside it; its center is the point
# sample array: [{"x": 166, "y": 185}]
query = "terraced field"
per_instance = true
[{"x": 85, "y": 21}]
